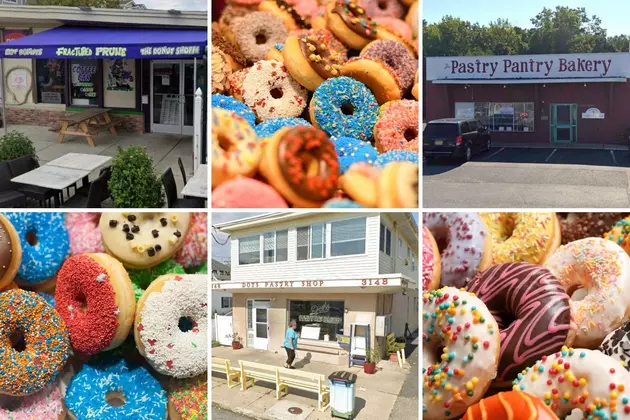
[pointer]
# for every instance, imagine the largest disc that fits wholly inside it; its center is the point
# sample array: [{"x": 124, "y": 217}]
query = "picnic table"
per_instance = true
[
  {"x": 197, "y": 186},
  {"x": 87, "y": 124}
]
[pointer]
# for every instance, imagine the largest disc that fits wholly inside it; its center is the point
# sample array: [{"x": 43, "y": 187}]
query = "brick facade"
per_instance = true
[{"x": 49, "y": 118}]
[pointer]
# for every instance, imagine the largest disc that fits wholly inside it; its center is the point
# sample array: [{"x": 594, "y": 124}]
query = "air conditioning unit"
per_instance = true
[{"x": 383, "y": 325}]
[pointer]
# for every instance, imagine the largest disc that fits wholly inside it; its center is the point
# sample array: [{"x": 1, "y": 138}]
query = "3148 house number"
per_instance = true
[{"x": 374, "y": 282}]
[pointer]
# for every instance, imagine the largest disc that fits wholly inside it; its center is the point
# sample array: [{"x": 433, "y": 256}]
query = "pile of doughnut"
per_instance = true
[
  {"x": 526, "y": 316},
  {"x": 103, "y": 316},
  {"x": 315, "y": 104}
]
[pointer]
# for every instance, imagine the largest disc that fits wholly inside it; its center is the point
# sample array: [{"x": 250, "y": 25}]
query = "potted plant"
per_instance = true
[
  {"x": 236, "y": 340},
  {"x": 372, "y": 356},
  {"x": 15, "y": 145},
  {"x": 393, "y": 347},
  {"x": 134, "y": 183}
]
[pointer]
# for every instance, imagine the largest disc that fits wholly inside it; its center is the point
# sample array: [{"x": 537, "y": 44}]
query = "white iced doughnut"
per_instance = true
[
  {"x": 595, "y": 272},
  {"x": 579, "y": 378},
  {"x": 460, "y": 328},
  {"x": 468, "y": 245}
]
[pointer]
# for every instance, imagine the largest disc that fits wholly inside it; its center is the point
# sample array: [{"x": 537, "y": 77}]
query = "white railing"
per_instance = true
[{"x": 197, "y": 127}]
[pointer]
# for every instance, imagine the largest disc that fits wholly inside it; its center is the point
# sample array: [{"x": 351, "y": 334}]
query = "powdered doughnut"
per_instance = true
[
  {"x": 506, "y": 405},
  {"x": 617, "y": 345},
  {"x": 459, "y": 328},
  {"x": 344, "y": 107},
  {"x": 301, "y": 164},
  {"x": 194, "y": 252},
  {"x": 84, "y": 233},
  {"x": 143, "y": 240},
  {"x": 230, "y": 104},
  {"x": 270, "y": 91},
  {"x": 466, "y": 246},
  {"x": 188, "y": 398},
  {"x": 576, "y": 226},
  {"x": 26, "y": 318},
  {"x": 532, "y": 310},
  {"x": 257, "y": 33},
  {"x": 46, "y": 404},
  {"x": 92, "y": 388},
  {"x": 396, "y": 56},
  {"x": 595, "y": 272},
  {"x": 579, "y": 378},
  {"x": 236, "y": 150},
  {"x": 10, "y": 253},
  {"x": 397, "y": 127},
  {"x": 171, "y": 348},
  {"x": 430, "y": 261},
  {"x": 95, "y": 300},
  {"x": 221, "y": 70},
  {"x": 246, "y": 193}
]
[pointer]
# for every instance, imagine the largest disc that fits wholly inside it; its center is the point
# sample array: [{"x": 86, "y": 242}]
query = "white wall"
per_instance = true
[
  {"x": 352, "y": 266},
  {"x": 216, "y": 302},
  {"x": 405, "y": 308},
  {"x": 394, "y": 264}
]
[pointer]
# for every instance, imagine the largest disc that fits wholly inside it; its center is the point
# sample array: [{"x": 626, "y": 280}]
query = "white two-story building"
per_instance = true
[{"x": 325, "y": 270}]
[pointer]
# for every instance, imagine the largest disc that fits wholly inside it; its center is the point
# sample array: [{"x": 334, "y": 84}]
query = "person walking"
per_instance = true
[{"x": 290, "y": 344}]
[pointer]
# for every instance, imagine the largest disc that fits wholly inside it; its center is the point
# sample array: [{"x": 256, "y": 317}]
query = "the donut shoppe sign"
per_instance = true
[{"x": 544, "y": 66}]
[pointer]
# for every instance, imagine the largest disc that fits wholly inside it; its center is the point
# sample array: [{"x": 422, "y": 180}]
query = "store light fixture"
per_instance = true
[{"x": 584, "y": 84}]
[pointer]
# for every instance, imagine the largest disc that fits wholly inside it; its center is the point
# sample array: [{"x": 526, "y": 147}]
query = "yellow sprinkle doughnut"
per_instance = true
[
  {"x": 235, "y": 148},
  {"x": 528, "y": 237}
]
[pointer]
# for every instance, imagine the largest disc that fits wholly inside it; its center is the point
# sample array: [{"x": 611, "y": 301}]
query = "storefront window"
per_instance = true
[
  {"x": 51, "y": 81},
  {"x": 499, "y": 116},
  {"x": 249, "y": 250},
  {"x": 119, "y": 79},
  {"x": 348, "y": 237},
  {"x": 318, "y": 320},
  {"x": 85, "y": 82}
]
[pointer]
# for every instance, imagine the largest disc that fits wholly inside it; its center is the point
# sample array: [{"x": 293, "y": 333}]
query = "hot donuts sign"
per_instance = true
[{"x": 544, "y": 66}]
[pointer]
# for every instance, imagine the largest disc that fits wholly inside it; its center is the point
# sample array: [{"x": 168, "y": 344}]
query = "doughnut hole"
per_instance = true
[
  {"x": 382, "y": 5},
  {"x": 185, "y": 323},
  {"x": 441, "y": 236},
  {"x": 18, "y": 342},
  {"x": 276, "y": 93},
  {"x": 31, "y": 238},
  {"x": 410, "y": 134},
  {"x": 261, "y": 38},
  {"x": 347, "y": 109},
  {"x": 115, "y": 398},
  {"x": 577, "y": 292},
  {"x": 81, "y": 300},
  {"x": 310, "y": 164},
  {"x": 225, "y": 142}
]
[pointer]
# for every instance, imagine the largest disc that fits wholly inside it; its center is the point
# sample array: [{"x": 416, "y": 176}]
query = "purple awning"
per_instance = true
[{"x": 107, "y": 43}]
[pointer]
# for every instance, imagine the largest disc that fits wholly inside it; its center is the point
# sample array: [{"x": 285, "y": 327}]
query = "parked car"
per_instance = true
[{"x": 455, "y": 137}]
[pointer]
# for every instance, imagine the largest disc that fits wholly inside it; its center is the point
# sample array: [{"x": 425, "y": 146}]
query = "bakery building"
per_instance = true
[
  {"x": 327, "y": 271},
  {"x": 144, "y": 65},
  {"x": 560, "y": 99}
]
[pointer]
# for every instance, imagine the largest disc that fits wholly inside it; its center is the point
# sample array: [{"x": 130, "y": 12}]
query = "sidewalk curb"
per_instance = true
[{"x": 238, "y": 410}]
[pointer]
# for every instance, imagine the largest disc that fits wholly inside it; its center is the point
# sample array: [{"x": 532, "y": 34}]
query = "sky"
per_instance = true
[
  {"x": 175, "y": 4},
  {"x": 613, "y": 13},
  {"x": 222, "y": 252}
]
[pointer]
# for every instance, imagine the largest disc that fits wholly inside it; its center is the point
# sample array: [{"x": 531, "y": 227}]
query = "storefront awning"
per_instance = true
[
  {"x": 526, "y": 81},
  {"x": 108, "y": 43}
]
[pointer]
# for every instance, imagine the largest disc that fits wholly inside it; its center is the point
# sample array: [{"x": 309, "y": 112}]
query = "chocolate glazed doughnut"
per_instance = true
[
  {"x": 540, "y": 309},
  {"x": 301, "y": 163}
]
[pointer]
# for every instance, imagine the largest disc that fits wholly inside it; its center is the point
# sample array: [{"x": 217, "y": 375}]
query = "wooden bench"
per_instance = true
[
  {"x": 284, "y": 378},
  {"x": 87, "y": 124},
  {"x": 225, "y": 366}
]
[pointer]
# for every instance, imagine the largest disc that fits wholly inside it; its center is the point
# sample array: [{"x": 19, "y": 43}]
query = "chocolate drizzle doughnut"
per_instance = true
[
  {"x": 299, "y": 19},
  {"x": 532, "y": 310},
  {"x": 355, "y": 18},
  {"x": 617, "y": 345},
  {"x": 309, "y": 163},
  {"x": 322, "y": 59}
]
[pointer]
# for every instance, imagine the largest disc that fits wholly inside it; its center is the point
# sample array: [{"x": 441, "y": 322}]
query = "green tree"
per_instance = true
[
  {"x": 566, "y": 30},
  {"x": 109, "y": 4},
  {"x": 501, "y": 38}
]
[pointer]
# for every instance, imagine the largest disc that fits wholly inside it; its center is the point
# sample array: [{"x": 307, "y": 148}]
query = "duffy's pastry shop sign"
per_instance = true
[{"x": 543, "y": 66}]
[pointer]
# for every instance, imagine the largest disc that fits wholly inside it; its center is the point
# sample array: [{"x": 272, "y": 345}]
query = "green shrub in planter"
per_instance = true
[
  {"x": 134, "y": 183},
  {"x": 15, "y": 145}
]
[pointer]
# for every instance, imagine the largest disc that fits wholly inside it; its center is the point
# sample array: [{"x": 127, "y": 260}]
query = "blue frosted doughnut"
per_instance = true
[
  {"x": 50, "y": 299},
  {"x": 338, "y": 92},
  {"x": 41, "y": 261},
  {"x": 342, "y": 203},
  {"x": 397, "y": 156},
  {"x": 227, "y": 102},
  {"x": 352, "y": 150},
  {"x": 268, "y": 127},
  {"x": 144, "y": 397}
]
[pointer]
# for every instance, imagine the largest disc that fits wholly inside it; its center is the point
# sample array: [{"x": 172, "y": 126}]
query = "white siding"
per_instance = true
[
  {"x": 405, "y": 309},
  {"x": 352, "y": 266},
  {"x": 393, "y": 264},
  {"x": 216, "y": 302},
  {"x": 385, "y": 262}
]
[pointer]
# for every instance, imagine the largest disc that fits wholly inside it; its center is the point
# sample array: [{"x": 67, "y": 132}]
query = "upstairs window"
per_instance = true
[
  {"x": 347, "y": 237},
  {"x": 249, "y": 250}
]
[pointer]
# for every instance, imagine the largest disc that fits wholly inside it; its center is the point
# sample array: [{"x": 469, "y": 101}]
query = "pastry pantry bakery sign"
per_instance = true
[{"x": 543, "y": 66}]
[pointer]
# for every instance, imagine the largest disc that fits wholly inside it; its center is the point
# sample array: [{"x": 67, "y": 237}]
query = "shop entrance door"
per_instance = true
[
  {"x": 563, "y": 123},
  {"x": 260, "y": 316},
  {"x": 172, "y": 96}
]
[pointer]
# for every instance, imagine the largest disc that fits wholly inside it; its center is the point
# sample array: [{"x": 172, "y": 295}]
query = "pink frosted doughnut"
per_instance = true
[
  {"x": 397, "y": 126},
  {"x": 391, "y": 8},
  {"x": 395, "y": 25},
  {"x": 304, "y": 7},
  {"x": 45, "y": 404},
  {"x": 194, "y": 252},
  {"x": 84, "y": 232},
  {"x": 270, "y": 91}
]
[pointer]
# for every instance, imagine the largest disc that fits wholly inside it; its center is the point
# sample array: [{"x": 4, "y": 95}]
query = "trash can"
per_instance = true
[{"x": 341, "y": 386}]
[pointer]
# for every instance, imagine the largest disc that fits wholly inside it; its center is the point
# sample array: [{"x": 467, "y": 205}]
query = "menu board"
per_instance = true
[{"x": 84, "y": 82}]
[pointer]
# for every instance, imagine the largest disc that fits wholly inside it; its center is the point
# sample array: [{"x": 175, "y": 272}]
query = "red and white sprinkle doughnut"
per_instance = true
[
  {"x": 270, "y": 91},
  {"x": 194, "y": 252},
  {"x": 171, "y": 326},
  {"x": 84, "y": 233},
  {"x": 397, "y": 126}
]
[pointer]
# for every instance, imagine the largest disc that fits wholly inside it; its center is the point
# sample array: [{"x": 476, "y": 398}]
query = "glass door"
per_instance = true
[
  {"x": 188, "y": 97},
  {"x": 166, "y": 97},
  {"x": 563, "y": 123},
  {"x": 261, "y": 327}
]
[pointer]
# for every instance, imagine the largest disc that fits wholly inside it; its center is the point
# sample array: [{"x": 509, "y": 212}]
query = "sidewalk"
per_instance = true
[{"x": 376, "y": 394}]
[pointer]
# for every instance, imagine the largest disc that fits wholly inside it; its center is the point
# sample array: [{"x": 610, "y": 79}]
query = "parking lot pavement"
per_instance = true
[{"x": 532, "y": 178}]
